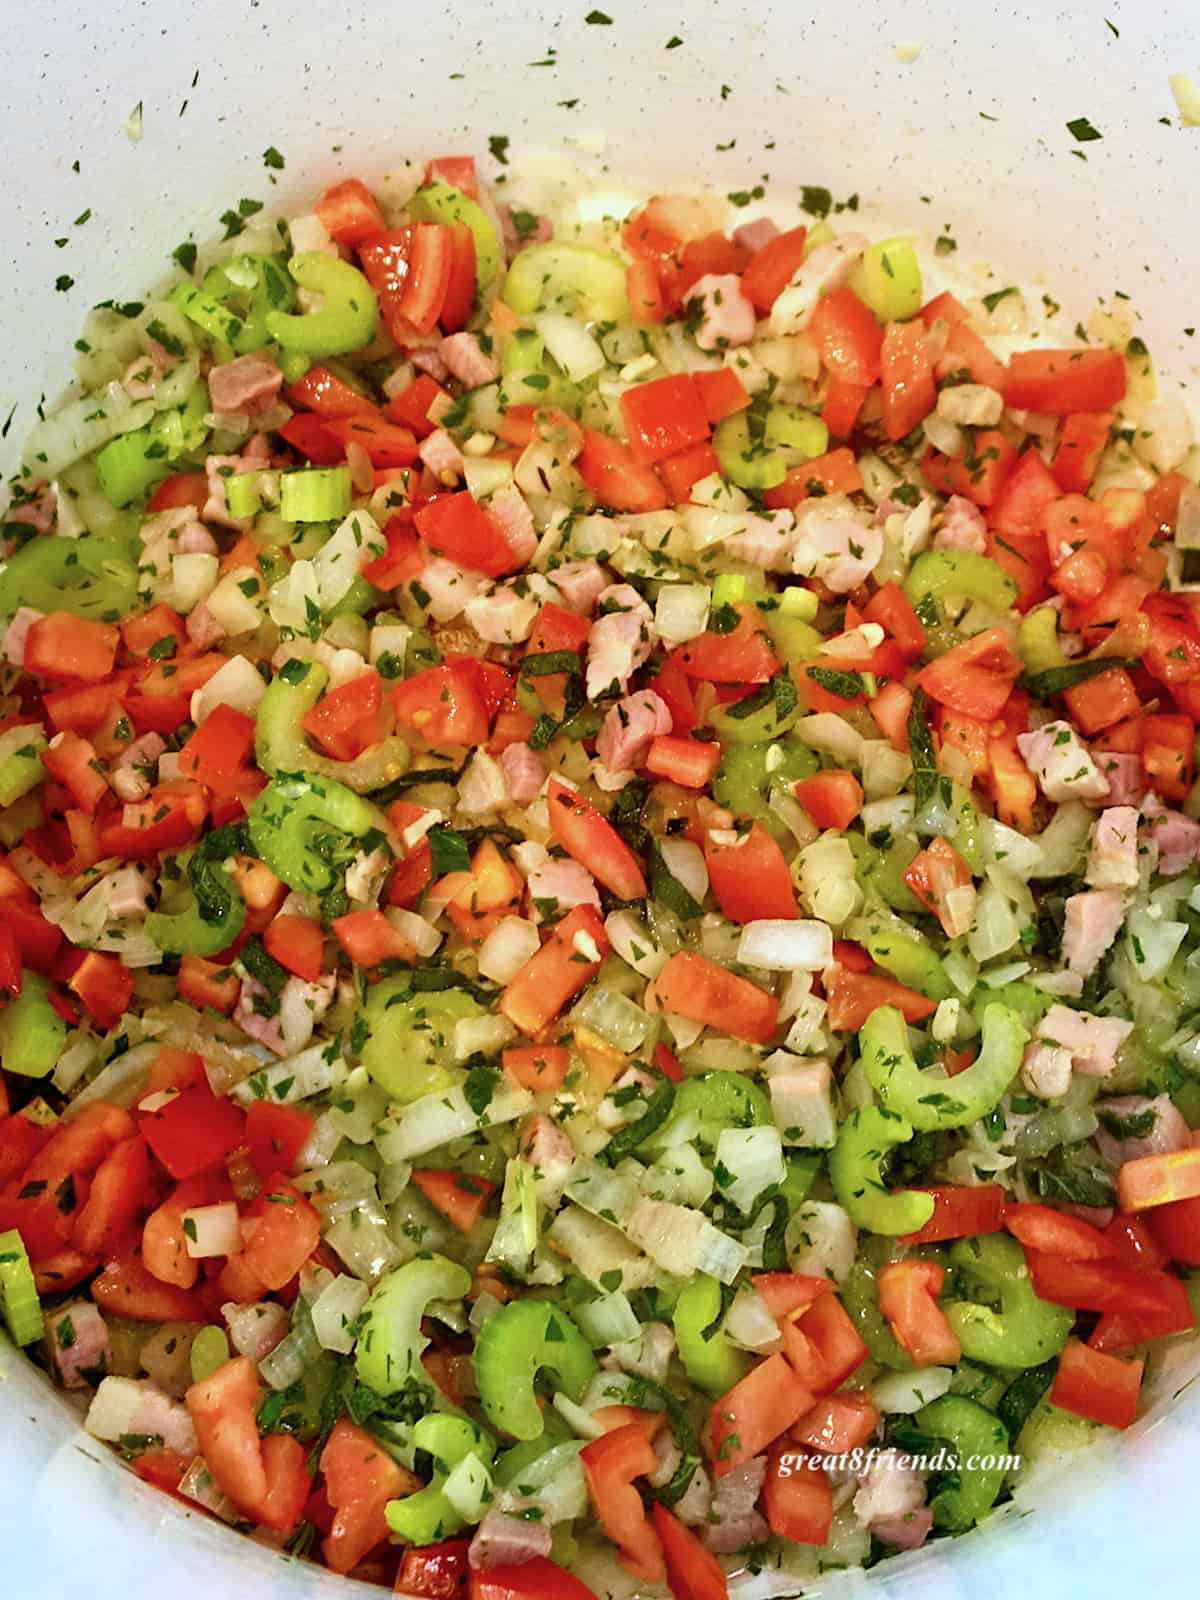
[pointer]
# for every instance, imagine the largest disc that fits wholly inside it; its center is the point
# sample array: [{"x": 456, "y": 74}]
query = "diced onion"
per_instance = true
[
  {"x": 230, "y": 605},
  {"x": 685, "y": 862},
  {"x": 608, "y": 1319},
  {"x": 905, "y": 1392},
  {"x": 300, "y": 1077},
  {"x": 421, "y": 934},
  {"x": 628, "y": 936},
  {"x": 614, "y": 1017},
  {"x": 749, "y": 1323},
  {"x": 681, "y": 611},
  {"x": 571, "y": 345},
  {"x": 511, "y": 943},
  {"x": 821, "y": 1240},
  {"x": 781, "y": 946},
  {"x": 828, "y": 732},
  {"x": 486, "y": 1035},
  {"x": 335, "y": 1310},
  {"x": 212, "y": 1230}
]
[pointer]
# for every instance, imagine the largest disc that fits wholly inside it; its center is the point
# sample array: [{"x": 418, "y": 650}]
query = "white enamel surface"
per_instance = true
[{"x": 821, "y": 81}]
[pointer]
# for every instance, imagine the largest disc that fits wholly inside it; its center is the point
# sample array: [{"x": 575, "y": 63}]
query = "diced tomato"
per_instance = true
[
  {"x": 944, "y": 307},
  {"x": 1121, "y": 1330},
  {"x": 843, "y": 402},
  {"x": 975, "y": 677},
  {"x": 1136, "y": 1242},
  {"x": 140, "y": 634},
  {"x": 411, "y": 407},
  {"x": 275, "y": 1136},
  {"x": 823, "y": 1345},
  {"x": 537, "y": 1067},
  {"x": 126, "y": 1289},
  {"x": 908, "y": 1292},
  {"x": 180, "y": 489},
  {"x": 663, "y": 417},
  {"x": 722, "y": 393},
  {"x": 933, "y": 874},
  {"x": 460, "y": 290},
  {"x": 907, "y": 376},
  {"x": 164, "y": 1242},
  {"x": 614, "y": 476},
  {"x": 216, "y": 754},
  {"x": 538, "y": 1579},
  {"x": 104, "y": 985},
  {"x": 834, "y": 473},
  {"x": 207, "y": 983},
  {"x": 644, "y": 291},
  {"x": 297, "y": 943},
  {"x": 960, "y": 1211},
  {"x": 312, "y": 438},
  {"x": 118, "y": 1193},
  {"x": 889, "y": 606},
  {"x": 1176, "y": 1228},
  {"x": 386, "y": 443},
  {"x": 72, "y": 760},
  {"x": 711, "y": 254},
  {"x": 457, "y": 171},
  {"x": 771, "y": 269},
  {"x": 966, "y": 352},
  {"x": 851, "y": 955},
  {"x": 557, "y": 971},
  {"x": 610, "y": 1464},
  {"x": 443, "y": 705},
  {"x": 743, "y": 655},
  {"x": 346, "y": 720},
  {"x": 798, "y": 1497},
  {"x": 1081, "y": 443},
  {"x": 693, "y": 986},
  {"x": 890, "y": 709},
  {"x": 852, "y": 996},
  {"x": 594, "y": 842},
  {"x": 368, "y": 938},
  {"x": 222, "y": 1407},
  {"x": 749, "y": 878},
  {"x": 163, "y": 1468},
  {"x": 832, "y": 798},
  {"x": 667, "y": 1063},
  {"x": 460, "y": 1198},
  {"x": 20, "y": 1141},
  {"x": 1168, "y": 751},
  {"x": 288, "y": 1483},
  {"x": 360, "y": 1479},
  {"x": 687, "y": 762},
  {"x": 980, "y": 471},
  {"x": 693, "y": 1572},
  {"x": 456, "y": 526},
  {"x": 66, "y": 648},
  {"x": 787, "y": 1293},
  {"x": 1100, "y": 702},
  {"x": 331, "y": 397},
  {"x": 281, "y": 1229},
  {"x": 1090, "y": 1384},
  {"x": 1108, "y": 1285},
  {"x": 349, "y": 212},
  {"x": 753, "y": 1414},
  {"x": 435, "y": 1571},
  {"x": 82, "y": 708},
  {"x": 1062, "y": 381},
  {"x": 680, "y": 472},
  {"x": 194, "y": 1132},
  {"x": 839, "y": 1423},
  {"x": 849, "y": 338},
  {"x": 1159, "y": 1180},
  {"x": 1174, "y": 652}
]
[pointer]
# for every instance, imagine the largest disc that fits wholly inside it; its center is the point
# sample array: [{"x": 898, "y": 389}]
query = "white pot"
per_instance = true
[{"x": 817, "y": 94}]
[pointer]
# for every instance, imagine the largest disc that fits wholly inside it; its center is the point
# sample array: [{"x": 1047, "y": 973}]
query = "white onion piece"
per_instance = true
[
  {"x": 511, "y": 943},
  {"x": 212, "y": 1230},
  {"x": 685, "y": 862},
  {"x": 335, "y": 1310},
  {"x": 786, "y": 946}
]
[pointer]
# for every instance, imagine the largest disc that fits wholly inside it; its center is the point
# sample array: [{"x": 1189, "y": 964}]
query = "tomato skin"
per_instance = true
[
  {"x": 276, "y": 1134},
  {"x": 67, "y": 648},
  {"x": 555, "y": 973},
  {"x": 960, "y": 1211},
  {"x": 1104, "y": 1285},
  {"x": 1063, "y": 381},
  {"x": 1176, "y": 1227},
  {"x": 852, "y": 996},
  {"x": 1081, "y": 443},
  {"x": 611, "y": 1463},
  {"x": 1097, "y": 1386},
  {"x": 360, "y": 1478},
  {"x": 836, "y": 472},
  {"x": 908, "y": 1292},
  {"x": 693, "y": 1572},
  {"x": 199, "y": 984},
  {"x": 349, "y": 212},
  {"x": 456, "y": 526},
  {"x": 750, "y": 878},
  {"x": 849, "y": 338},
  {"x": 442, "y": 705},
  {"x": 975, "y": 677},
  {"x": 222, "y": 1407},
  {"x": 411, "y": 407},
  {"x": 744, "y": 655},
  {"x": 436, "y": 1571},
  {"x": 752, "y": 1415},
  {"x": 1122, "y": 1330},
  {"x": 663, "y": 417},
  {"x": 838, "y": 1423},
  {"x": 195, "y": 1132},
  {"x": 164, "y": 1245},
  {"x": 979, "y": 472},
  {"x": 539, "y": 1579},
  {"x": 1044, "y": 1228},
  {"x": 593, "y": 841},
  {"x": 787, "y": 1293},
  {"x": 687, "y": 762},
  {"x": 616, "y": 478},
  {"x": 832, "y": 798},
  {"x": 126, "y": 1289},
  {"x": 282, "y": 1229},
  {"x": 120, "y": 1190},
  {"x": 722, "y": 393},
  {"x": 698, "y": 988},
  {"x": 797, "y": 1497},
  {"x": 312, "y": 438},
  {"x": 180, "y": 489},
  {"x": 823, "y": 1346},
  {"x": 907, "y": 375}
]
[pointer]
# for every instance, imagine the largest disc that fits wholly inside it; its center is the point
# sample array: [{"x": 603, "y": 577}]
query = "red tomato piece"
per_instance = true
[
  {"x": 693, "y": 1572},
  {"x": 539, "y": 1579},
  {"x": 537, "y": 1067},
  {"x": 275, "y": 1136},
  {"x": 771, "y": 269},
  {"x": 443, "y": 705},
  {"x": 976, "y": 677},
  {"x": 118, "y": 1193},
  {"x": 834, "y": 473},
  {"x": 1057, "y": 1233},
  {"x": 743, "y": 655},
  {"x": 65, "y": 648},
  {"x": 848, "y": 337},
  {"x": 610, "y": 1464},
  {"x": 460, "y": 290},
  {"x": 222, "y": 1407},
  {"x": 180, "y": 489},
  {"x": 345, "y": 721},
  {"x": 412, "y": 406},
  {"x": 1176, "y": 1228},
  {"x": 752, "y": 1415},
  {"x": 1108, "y": 1285},
  {"x": 687, "y": 762},
  {"x": 960, "y": 1211},
  {"x": 282, "y": 1229},
  {"x": 909, "y": 394},
  {"x": 72, "y": 760},
  {"x": 787, "y": 1293},
  {"x": 832, "y": 798},
  {"x": 908, "y": 1292},
  {"x": 126, "y": 1289},
  {"x": 1063, "y": 381},
  {"x": 104, "y": 985},
  {"x": 1159, "y": 1180},
  {"x": 331, "y": 397},
  {"x": 217, "y": 752},
  {"x": 349, "y": 212},
  {"x": 979, "y": 472},
  {"x": 312, "y": 438},
  {"x": 749, "y": 877},
  {"x": 1090, "y": 1384},
  {"x": 722, "y": 393},
  {"x": 616, "y": 478},
  {"x": 194, "y": 1132},
  {"x": 594, "y": 842},
  {"x": 1101, "y": 702},
  {"x": 680, "y": 472},
  {"x": 461, "y": 1199},
  {"x": 663, "y": 417},
  {"x": 207, "y": 983},
  {"x": 839, "y": 1423},
  {"x": 695, "y": 987},
  {"x": 556, "y": 972},
  {"x": 852, "y": 996},
  {"x": 1081, "y": 443},
  {"x": 456, "y": 526},
  {"x": 798, "y": 1497},
  {"x": 360, "y": 1479}
]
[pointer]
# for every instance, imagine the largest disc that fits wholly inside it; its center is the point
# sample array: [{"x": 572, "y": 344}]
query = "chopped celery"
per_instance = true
[
  {"x": 347, "y": 316},
  {"x": 408, "y": 1046},
  {"x": 304, "y": 827},
  {"x": 748, "y": 463},
  {"x": 20, "y": 766},
  {"x": 977, "y": 1436},
  {"x": 314, "y": 494},
  {"x": 1008, "y": 1325},
  {"x": 1037, "y": 641},
  {"x": 574, "y": 275},
  {"x": 889, "y": 280},
  {"x": 797, "y": 601},
  {"x": 929, "y": 1102},
  {"x": 802, "y": 432},
  {"x": 210, "y": 1350},
  {"x": 909, "y": 958},
  {"x": 208, "y": 313},
  {"x": 280, "y": 745},
  {"x": 524, "y": 1338},
  {"x": 388, "y": 1355},
  {"x": 523, "y": 353},
  {"x": 864, "y": 1138},
  {"x": 32, "y": 1034},
  {"x": 442, "y": 202},
  {"x": 250, "y": 286},
  {"x": 18, "y": 1292},
  {"x": 453, "y": 1443},
  {"x": 728, "y": 587},
  {"x": 709, "y": 1359},
  {"x": 247, "y": 493}
]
